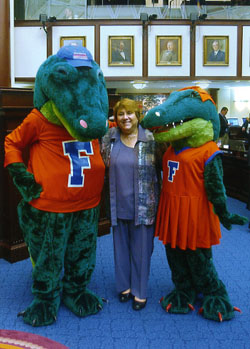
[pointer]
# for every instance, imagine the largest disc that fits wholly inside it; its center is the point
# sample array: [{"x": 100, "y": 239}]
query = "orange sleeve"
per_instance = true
[
  {"x": 24, "y": 135},
  {"x": 112, "y": 124}
]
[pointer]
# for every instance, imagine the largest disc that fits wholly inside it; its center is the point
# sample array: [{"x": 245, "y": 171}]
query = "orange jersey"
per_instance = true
[
  {"x": 70, "y": 172},
  {"x": 185, "y": 216}
]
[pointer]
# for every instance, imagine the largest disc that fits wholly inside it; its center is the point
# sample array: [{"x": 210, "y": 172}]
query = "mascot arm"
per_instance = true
[
  {"x": 24, "y": 181},
  {"x": 15, "y": 143},
  {"x": 216, "y": 193}
]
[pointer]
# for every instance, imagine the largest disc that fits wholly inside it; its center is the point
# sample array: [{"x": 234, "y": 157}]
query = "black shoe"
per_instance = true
[
  {"x": 124, "y": 297},
  {"x": 138, "y": 305}
]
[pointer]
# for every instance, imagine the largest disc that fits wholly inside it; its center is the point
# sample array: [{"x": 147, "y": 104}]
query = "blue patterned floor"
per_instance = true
[{"x": 117, "y": 326}]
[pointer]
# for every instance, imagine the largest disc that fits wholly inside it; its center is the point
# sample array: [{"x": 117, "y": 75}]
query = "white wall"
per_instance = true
[
  {"x": 30, "y": 50},
  {"x": 236, "y": 99},
  {"x": 224, "y": 98}
]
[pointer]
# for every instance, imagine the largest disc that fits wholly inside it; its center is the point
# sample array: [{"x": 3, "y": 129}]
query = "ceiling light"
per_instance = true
[
  {"x": 139, "y": 85},
  {"x": 202, "y": 83}
]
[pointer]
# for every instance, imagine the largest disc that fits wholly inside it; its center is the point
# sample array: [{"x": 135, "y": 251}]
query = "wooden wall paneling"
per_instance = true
[
  {"x": 15, "y": 105},
  {"x": 236, "y": 177}
]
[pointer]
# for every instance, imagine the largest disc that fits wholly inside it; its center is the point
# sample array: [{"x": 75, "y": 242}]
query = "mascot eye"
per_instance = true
[
  {"x": 99, "y": 74},
  {"x": 61, "y": 70},
  {"x": 64, "y": 72}
]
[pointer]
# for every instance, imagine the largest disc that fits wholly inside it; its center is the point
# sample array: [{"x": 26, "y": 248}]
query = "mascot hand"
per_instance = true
[
  {"x": 226, "y": 218},
  {"x": 233, "y": 219},
  {"x": 24, "y": 181}
]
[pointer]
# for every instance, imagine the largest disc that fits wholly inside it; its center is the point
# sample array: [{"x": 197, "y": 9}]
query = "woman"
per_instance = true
[{"x": 129, "y": 152}]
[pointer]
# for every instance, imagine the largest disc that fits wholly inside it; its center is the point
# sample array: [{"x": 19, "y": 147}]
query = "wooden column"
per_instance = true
[{"x": 5, "y": 44}]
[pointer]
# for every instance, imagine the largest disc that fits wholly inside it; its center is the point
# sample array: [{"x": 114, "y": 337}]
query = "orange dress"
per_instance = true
[{"x": 185, "y": 216}]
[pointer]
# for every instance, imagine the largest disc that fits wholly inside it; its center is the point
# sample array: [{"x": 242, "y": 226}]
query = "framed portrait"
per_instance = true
[
  {"x": 168, "y": 50},
  {"x": 216, "y": 50},
  {"x": 120, "y": 51},
  {"x": 73, "y": 41}
]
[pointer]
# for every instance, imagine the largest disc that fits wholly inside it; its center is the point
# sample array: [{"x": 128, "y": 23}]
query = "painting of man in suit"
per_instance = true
[
  {"x": 169, "y": 54},
  {"x": 168, "y": 50},
  {"x": 216, "y": 50},
  {"x": 121, "y": 51},
  {"x": 216, "y": 54}
]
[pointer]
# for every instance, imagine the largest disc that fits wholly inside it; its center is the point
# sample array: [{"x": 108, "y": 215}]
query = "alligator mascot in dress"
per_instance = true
[
  {"x": 193, "y": 201},
  {"x": 61, "y": 186}
]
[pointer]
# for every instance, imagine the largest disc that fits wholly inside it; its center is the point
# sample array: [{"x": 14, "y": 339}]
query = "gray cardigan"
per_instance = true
[{"x": 146, "y": 175}]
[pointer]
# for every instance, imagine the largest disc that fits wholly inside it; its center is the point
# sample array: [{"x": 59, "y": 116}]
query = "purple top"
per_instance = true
[{"x": 124, "y": 172}]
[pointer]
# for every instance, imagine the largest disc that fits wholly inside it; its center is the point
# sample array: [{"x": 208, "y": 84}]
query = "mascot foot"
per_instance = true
[
  {"x": 83, "y": 304},
  {"x": 40, "y": 313},
  {"x": 217, "y": 308},
  {"x": 179, "y": 302}
]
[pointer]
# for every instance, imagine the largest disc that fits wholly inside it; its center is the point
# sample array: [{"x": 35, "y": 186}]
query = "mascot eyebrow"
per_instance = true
[
  {"x": 61, "y": 187},
  {"x": 193, "y": 201}
]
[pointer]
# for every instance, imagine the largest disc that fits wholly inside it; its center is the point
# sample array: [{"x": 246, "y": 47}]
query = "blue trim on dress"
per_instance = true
[
  {"x": 213, "y": 155},
  {"x": 179, "y": 151}
]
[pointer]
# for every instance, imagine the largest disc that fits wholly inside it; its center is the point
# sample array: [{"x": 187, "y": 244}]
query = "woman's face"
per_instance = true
[{"x": 126, "y": 121}]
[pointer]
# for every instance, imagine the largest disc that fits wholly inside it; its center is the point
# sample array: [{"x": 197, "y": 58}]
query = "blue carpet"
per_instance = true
[{"x": 118, "y": 326}]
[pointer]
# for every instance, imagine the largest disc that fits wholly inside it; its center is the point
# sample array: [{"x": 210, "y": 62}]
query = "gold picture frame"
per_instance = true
[
  {"x": 73, "y": 41},
  {"x": 120, "y": 51},
  {"x": 216, "y": 50},
  {"x": 168, "y": 50}
]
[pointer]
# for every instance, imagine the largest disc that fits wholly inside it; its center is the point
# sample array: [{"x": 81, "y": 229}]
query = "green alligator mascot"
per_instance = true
[
  {"x": 193, "y": 201},
  {"x": 61, "y": 186}
]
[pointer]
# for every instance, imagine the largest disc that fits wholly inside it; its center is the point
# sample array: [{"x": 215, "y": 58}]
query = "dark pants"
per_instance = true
[{"x": 133, "y": 247}]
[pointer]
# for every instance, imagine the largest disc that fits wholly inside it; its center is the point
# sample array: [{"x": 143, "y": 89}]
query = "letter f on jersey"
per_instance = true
[
  {"x": 78, "y": 163},
  {"x": 173, "y": 166}
]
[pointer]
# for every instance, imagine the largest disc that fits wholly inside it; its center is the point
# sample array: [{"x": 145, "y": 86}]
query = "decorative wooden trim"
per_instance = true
[
  {"x": 192, "y": 50},
  {"x": 239, "y": 56},
  {"x": 145, "y": 51},
  {"x": 97, "y": 46},
  {"x": 5, "y": 44}
]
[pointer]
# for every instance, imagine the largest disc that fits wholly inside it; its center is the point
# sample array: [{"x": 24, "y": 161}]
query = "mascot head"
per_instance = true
[
  {"x": 70, "y": 91},
  {"x": 187, "y": 118}
]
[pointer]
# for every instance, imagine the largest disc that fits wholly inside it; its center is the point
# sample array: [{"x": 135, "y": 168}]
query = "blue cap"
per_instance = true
[{"x": 77, "y": 56}]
